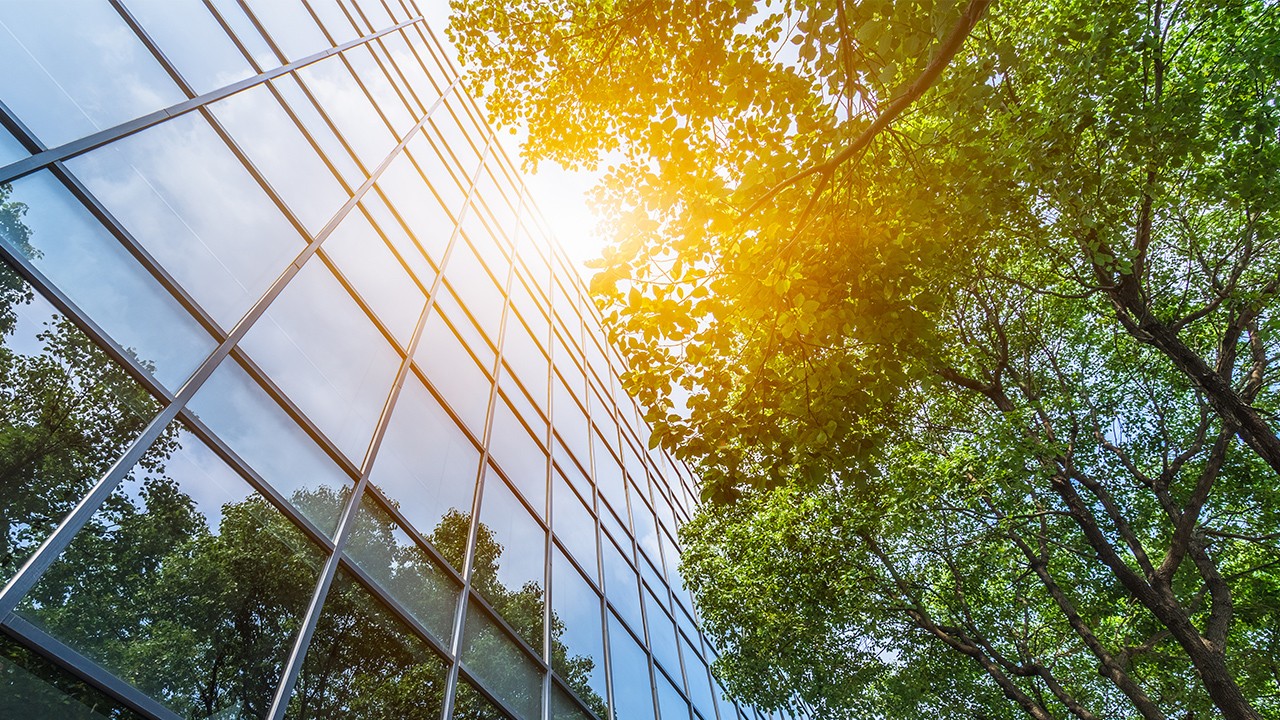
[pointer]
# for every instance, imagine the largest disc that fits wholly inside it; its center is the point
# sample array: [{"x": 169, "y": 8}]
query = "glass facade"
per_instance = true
[{"x": 303, "y": 414}]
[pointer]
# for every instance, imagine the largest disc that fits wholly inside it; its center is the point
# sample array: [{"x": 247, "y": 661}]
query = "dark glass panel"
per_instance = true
[
  {"x": 426, "y": 464},
  {"x": 67, "y": 411},
  {"x": 501, "y": 665},
  {"x": 476, "y": 289},
  {"x": 186, "y": 583},
  {"x": 386, "y": 552},
  {"x": 409, "y": 250},
  {"x": 577, "y": 634},
  {"x": 470, "y": 704},
  {"x": 182, "y": 193},
  {"x": 365, "y": 664},
  {"x": 563, "y": 707},
  {"x": 277, "y": 148},
  {"x": 32, "y": 688},
  {"x": 193, "y": 41},
  {"x": 41, "y": 220},
  {"x": 74, "y": 67},
  {"x": 257, "y": 429},
  {"x": 324, "y": 352},
  {"x": 632, "y": 689},
  {"x": 508, "y": 570}
]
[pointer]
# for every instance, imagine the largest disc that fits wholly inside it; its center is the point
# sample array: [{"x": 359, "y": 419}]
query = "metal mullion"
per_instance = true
[
  {"x": 95, "y": 140},
  {"x": 68, "y": 308},
  {"x": 474, "y": 529},
  {"x": 219, "y": 447},
  {"x": 57, "y": 541},
  {"x": 346, "y": 524},
  {"x": 34, "y": 638}
]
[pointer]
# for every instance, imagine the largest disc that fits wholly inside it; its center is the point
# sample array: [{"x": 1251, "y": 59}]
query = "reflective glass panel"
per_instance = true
[
  {"x": 470, "y": 704},
  {"x": 417, "y": 205},
  {"x": 672, "y": 706},
  {"x": 632, "y": 689},
  {"x": 40, "y": 219},
  {"x": 577, "y": 642},
  {"x": 178, "y": 189},
  {"x": 187, "y": 584},
  {"x": 334, "y": 19},
  {"x": 563, "y": 707},
  {"x": 385, "y": 94},
  {"x": 191, "y": 38},
  {"x": 257, "y": 429},
  {"x": 574, "y": 525},
  {"x": 347, "y": 105},
  {"x": 10, "y": 149},
  {"x": 276, "y": 147},
  {"x": 363, "y": 662},
  {"x": 500, "y": 663},
  {"x": 519, "y": 455},
  {"x": 426, "y": 464},
  {"x": 622, "y": 587},
  {"x": 369, "y": 265},
  {"x": 386, "y": 552},
  {"x": 321, "y": 349},
  {"x": 74, "y": 67},
  {"x": 454, "y": 373},
  {"x": 408, "y": 249},
  {"x": 318, "y": 130},
  {"x": 67, "y": 411},
  {"x": 508, "y": 570},
  {"x": 32, "y": 687},
  {"x": 662, "y": 635},
  {"x": 291, "y": 27}
]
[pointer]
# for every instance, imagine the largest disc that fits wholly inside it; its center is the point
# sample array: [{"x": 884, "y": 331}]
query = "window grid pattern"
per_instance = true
[{"x": 490, "y": 255}]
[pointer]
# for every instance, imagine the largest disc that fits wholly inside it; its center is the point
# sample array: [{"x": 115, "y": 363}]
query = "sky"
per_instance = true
[{"x": 561, "y": 194}]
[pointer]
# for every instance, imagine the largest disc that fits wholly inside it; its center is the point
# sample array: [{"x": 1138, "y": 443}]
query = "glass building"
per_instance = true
[{"x": 302, "y": 412}]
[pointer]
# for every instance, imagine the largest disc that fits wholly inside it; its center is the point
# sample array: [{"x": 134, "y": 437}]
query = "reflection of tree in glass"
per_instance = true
[
  {"x": 198, "y": 617},
  {"x": 65, "y": 413}
]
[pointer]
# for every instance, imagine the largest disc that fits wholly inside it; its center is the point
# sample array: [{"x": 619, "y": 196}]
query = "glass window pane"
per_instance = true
[
  {"x": 194, "y": 42},
  {"x": 257, "y": 429},
  {"x": 365, "y": 663},
  {"x": 501, "y": 665},
  {"x": 72, "y": 68},
  {"x": 10, "y": 149},
  {"x": 368, "y": 264},
  {"x": 384, "y": 550},
  {"x": 291, "y": 27},
  {"x": 574, "y": 526},
  {"x": 563, "y": 707},
  {"x": 509, "y": 560},
  {"x": 244, "y": 30},
  {"x": 453, "y": 372},
  {"x": 426, "y": 463},
  {"x": 632, "y": 690},
  {"x": 621, "y": 585},
  {"x": 406, "y": 247},
  {"x": 469, "y": 704},
  {"x": 41, "y": 220},
  {"x": 662, "y": 635},
  {"x": 187, "y": 584},
  {"x": 417, "y": 206},
  {"x": 334, "y": 19},
  {"x": 347, "y": 105},
  {"x": 67, "y": 411},
  {"x": 577, "y": 642},
  {"x": 321, "y": 349},
  {"x": 275, "y": 146},
  {"x": 699, "y": 686},
  {"x": 673, "y": 706},
  {"x": 384, "y": 93},
  {"x": 33, "y": 687},
  {"x": 520, "y": 456},
  {"x": 178, "y": 189},
  {"x": 318, "y": 130}
]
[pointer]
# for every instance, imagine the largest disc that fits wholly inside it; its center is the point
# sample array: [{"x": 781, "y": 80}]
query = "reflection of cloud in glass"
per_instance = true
[
  {"x": 190, "y": 202},
  {"x": 74, "y": 67}
]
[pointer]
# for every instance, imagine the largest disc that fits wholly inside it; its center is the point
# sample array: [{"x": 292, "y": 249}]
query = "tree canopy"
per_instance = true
[{"x": 966, "y": 317}]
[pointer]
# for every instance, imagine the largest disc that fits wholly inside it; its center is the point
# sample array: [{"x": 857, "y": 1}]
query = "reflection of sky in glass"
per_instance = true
[
  {"x": 632, "y": 691},
  {"x": 523, "y": 542},
  {"x": 94, "y": 269},
  {"x": 321, "y": 350},
  {"x": 578, "y": 607},
  {"x": 10, "y": 149},
  {"x": 672, "y": 705},
  {"x": 349, "y": 109},
  {"x": 191, "y": 38},
  {"x": 369, "y": 265},
  {"x": 258, "y": 430},
  {"x": 190, "y": 202},
  {"x": 74, "y": 67}
]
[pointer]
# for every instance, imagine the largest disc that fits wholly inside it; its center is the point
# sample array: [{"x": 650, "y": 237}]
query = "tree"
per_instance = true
[{"x": 975, "y": 354}]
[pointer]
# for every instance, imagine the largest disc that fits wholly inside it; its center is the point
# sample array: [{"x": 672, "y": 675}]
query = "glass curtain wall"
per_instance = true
[{"x": 303, "y": 413}]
